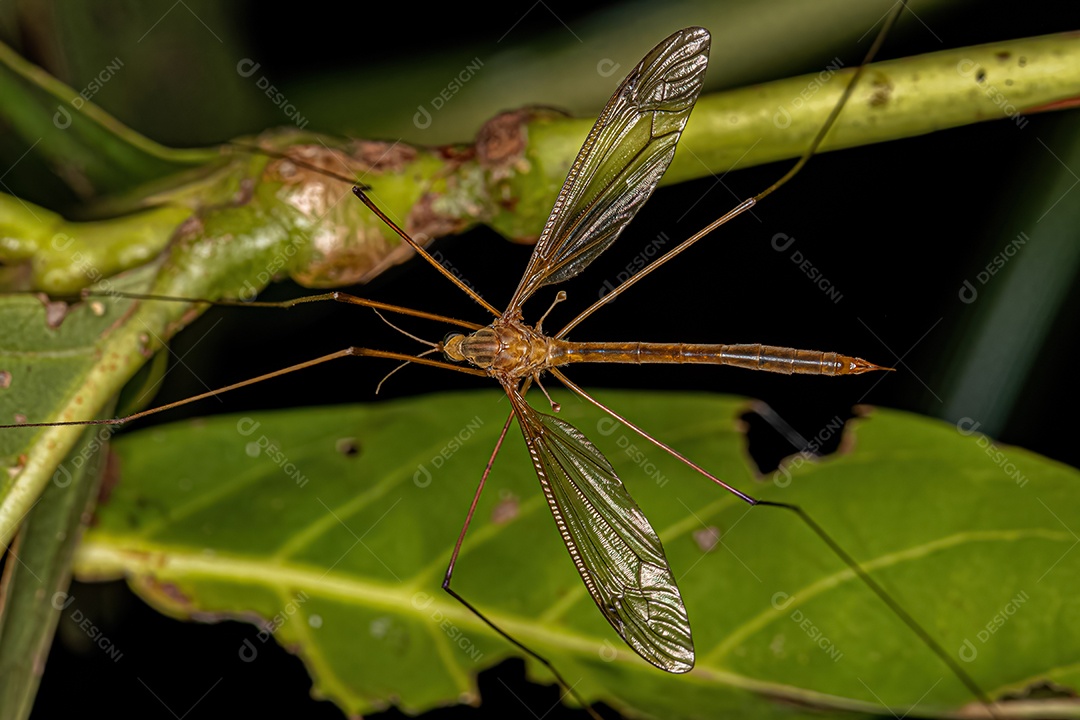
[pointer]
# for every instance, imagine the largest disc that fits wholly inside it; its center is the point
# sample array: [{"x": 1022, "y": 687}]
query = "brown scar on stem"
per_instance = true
[
  {"x": 110, "y": 478},
  {"x": 20, "y": 463},
  {"x": 121, "y": 319},
  {"x": 426, "y": 221},
  {"x": 192, "y": 226},
  {"x": 383, "y": 157},
  {"x": 55, "y": 310},
  {"x": 502, "y": 140},
  {"x": 882, "y": 89},
  {"x": 144, "y": 346},
  {"x": 245, "y": 192},
  {"x": 502, "y": 152},
  {"x": 360, "y": 158}
]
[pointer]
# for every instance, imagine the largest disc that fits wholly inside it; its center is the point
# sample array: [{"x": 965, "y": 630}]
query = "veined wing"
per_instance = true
[
  {"x": 616, "y": 551},
  {"x": 622, "y": 160}
]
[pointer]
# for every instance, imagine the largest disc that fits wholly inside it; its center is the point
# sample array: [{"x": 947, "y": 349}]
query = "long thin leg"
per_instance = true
[
  {"x": 347, "y": 352},
  {"x": 469, "y": 606},
  {"x": 334, "y": 296},
  {"x": 358, "y": 190},
  {"x": 666, "y": 448},
  {"x": 895, "y": 607},
  {"x": 782, "y": 426},
  {"x": 423, "y": 253}
]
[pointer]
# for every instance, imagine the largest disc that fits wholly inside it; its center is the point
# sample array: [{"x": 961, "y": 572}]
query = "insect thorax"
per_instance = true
[{"x": 505, "y": 348}]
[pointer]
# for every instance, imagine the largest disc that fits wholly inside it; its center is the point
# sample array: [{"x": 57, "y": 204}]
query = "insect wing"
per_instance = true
[
  {"x": 612, "y": 544},
  {"x": 622, "y": 160}
]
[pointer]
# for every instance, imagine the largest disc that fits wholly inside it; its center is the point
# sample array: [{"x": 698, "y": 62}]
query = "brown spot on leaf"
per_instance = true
[
  {"x": 348, "y": 446},
  {"x": 707, "y": 538},
  {"x": 167, "y": 592},
  {"x": 505, "y": 510},
  {"x": 5, "y": 379}
]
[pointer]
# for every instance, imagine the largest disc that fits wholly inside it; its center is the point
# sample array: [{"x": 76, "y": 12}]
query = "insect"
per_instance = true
[{"x": 458, "y": 348}]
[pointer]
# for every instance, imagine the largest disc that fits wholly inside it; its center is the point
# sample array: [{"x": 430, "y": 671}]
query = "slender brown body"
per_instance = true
[{"x": 511, "y": 349}]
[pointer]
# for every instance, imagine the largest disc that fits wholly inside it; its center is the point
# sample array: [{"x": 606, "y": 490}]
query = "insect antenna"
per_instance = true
[
  {"x": 435, "y": 347},
  {"x": 386, "y": 377}
]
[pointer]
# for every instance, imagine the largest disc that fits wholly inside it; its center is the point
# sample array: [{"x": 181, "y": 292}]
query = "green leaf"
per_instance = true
[
  {"x": 38, "y": 572},
  {"x": 335, "y": 525}
]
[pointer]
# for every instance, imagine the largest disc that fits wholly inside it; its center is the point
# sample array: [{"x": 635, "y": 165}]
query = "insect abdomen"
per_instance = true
[{"x": 770, "y": 358}]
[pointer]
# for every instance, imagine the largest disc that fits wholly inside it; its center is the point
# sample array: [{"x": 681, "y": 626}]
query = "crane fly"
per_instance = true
[
  {"x": 616, "y": 551},
  {"x": 614, "y": 548}
]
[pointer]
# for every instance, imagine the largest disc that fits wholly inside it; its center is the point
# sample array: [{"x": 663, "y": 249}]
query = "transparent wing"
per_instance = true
[
  {"x": 616, "y": 551},
  {"x": 622, "y": 160}
]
